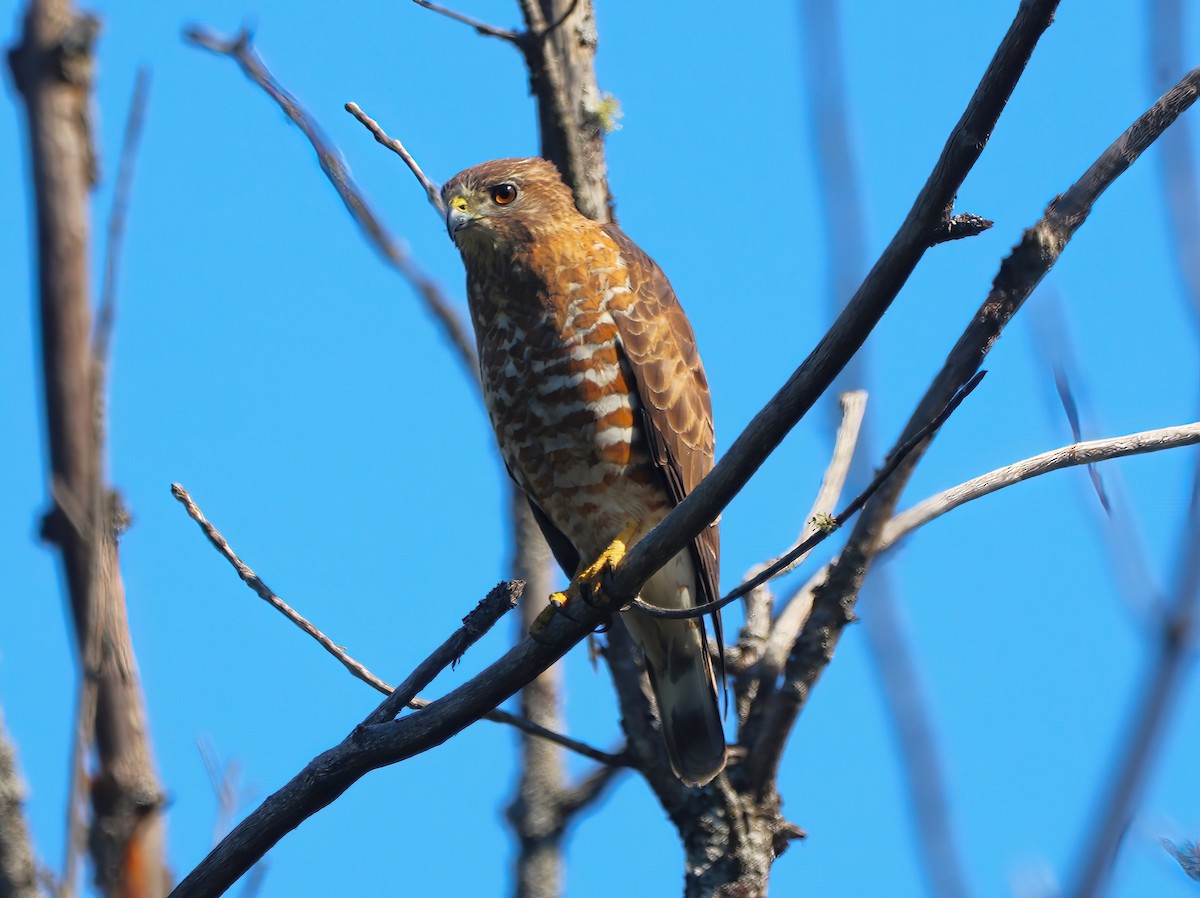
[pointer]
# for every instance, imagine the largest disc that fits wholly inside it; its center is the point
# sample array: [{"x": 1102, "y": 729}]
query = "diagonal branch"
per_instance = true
[
  {"x": 862, "y": 313},
  {"x": 356, "y": 668},
  {"x": 432, "y": 193},
  {"x": 1019, "y": 274},
  {"x": 826, "y": 526},
  {"x": 241, "y": 50},
  {"x": 483, "y": 28}
]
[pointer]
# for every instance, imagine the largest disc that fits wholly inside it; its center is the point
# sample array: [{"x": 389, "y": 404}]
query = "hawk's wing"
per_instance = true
[{"x": 658, "y": 343}]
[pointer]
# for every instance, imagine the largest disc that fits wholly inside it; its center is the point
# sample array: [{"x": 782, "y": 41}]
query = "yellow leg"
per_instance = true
[{"x": 588, "y": 580}]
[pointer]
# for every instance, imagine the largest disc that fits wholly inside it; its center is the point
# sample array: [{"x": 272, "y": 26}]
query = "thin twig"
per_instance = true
[
  {"x": 499, "y": 601},
  {"x": 432, "y": 191},
  {"x": 106, "y": 312},
  {"x": 224, "y": 779},
  {"x": 241, "y": 50},
  {"x": 825, "y": 529},
  {"x": 755, "y": 636},
  {"x": 481, "y": 27},
  {"x": 585, "y": 793},
  {"x": 854, "y": 407},
  {"x": 1118, "y": 525},
  {"x": 356, "y": 668},
  {"x": 264, "y": 592}
]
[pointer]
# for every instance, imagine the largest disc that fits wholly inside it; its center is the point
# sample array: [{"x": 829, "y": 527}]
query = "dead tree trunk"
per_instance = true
[{"x": 53, "y": 69}]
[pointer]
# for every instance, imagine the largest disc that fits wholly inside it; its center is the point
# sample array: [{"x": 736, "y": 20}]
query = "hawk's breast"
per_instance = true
[{"x": 561, "y": 397}]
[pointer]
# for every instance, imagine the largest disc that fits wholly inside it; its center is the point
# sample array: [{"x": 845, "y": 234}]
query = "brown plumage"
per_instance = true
[{"x": 595, "y": 389}]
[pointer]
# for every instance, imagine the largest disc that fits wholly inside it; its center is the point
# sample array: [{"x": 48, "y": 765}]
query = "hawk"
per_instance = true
[{"x": 601, "y": 408}]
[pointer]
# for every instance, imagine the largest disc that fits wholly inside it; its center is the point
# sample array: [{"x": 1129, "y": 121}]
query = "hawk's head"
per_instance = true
[{"x": 499, "y": 206}]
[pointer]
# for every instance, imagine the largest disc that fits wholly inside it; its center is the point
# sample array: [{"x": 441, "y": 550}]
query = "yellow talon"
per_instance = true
[
  {"x": 588, "y": 578},
  {"x": 542, "y": 621}
]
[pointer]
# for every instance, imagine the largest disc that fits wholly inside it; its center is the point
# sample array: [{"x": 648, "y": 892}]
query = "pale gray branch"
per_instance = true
[{"x": 1086, "y": 453}]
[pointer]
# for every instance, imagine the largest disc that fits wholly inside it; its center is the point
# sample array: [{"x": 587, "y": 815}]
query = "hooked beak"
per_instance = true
[{"x": 457, "y": 216}]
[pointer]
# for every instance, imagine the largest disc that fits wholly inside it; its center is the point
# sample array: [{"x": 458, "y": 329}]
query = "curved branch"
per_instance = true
[{"x": 1085, "y": 453}]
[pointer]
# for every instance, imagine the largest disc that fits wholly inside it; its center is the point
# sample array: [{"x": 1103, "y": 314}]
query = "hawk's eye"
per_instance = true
[{"x": 503, "y": 194}]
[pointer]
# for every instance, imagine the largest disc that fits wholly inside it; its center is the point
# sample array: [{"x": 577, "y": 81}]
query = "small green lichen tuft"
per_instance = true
[
  {"x": 824, "y": 522},
  {"x": 608, "y": 113}
]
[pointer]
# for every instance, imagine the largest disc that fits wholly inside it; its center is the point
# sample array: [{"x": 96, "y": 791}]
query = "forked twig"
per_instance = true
[{"x": 356, "y": 668}]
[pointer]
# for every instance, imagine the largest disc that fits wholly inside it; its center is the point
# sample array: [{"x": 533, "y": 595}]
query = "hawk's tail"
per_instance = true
[{"x": 681, "y": 675}]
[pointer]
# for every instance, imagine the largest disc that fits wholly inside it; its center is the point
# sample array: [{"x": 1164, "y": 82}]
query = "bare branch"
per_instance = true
[
  {"x": 53, "y": 68},
  {"x": 1088, "y": 453},
  {"x": 900, "y": 680},
  {"x": 535, "y": 811},
  {"x": 106, "y": 312},
  {"x": 1181, "y": 186},
  {"x": 870, "y": 302},
  {"x": 241, "y": 50},
  {"x": 432, "y": 191},
  {"x": 756, "y": 634},
  {"x": 1155, "y": 702},
  {"x": 481, "y": 27},
  {"x": 1018, "y": 275},
  {"x": 370, "y": 746},
  {"x": 570, "y": 105},
  {"x": 356, "y": 668},
  {"x": 854, "y": 407},
  {"x": 788, "y": 624},
  {"x": 502, "y": 599},
  {"x": 825, "y": 527},
  {"x": 264, "y": 592}
]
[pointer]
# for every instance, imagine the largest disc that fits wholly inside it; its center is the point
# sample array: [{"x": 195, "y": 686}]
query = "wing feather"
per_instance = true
[{"x": 660, "y": 348}]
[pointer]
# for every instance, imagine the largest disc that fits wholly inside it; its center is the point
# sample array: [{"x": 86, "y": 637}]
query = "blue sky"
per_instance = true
[{"x": 267, "y": 360}]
